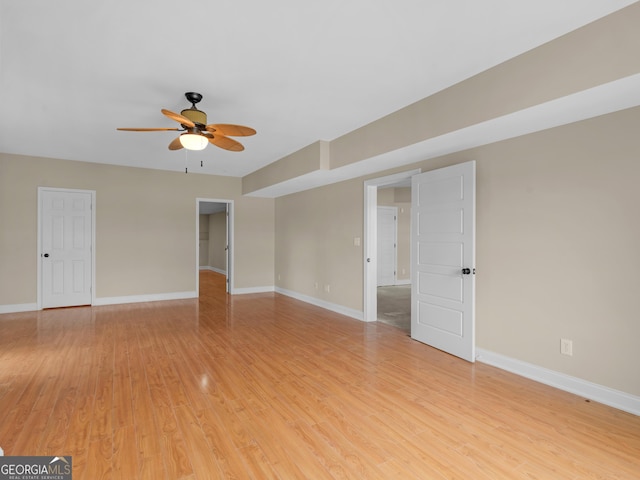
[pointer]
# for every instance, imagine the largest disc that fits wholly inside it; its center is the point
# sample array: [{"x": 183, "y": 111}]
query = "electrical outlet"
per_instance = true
[
  {"x": 566, "y": 347},
  {"x": 327, "y": 288}
]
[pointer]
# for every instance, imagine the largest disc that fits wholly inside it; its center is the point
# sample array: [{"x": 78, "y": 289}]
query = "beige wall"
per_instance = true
[
  {"x": 315, "y": 243},
  {"x": 557, "y": 246},
  {"x": 145, "y": 227}
]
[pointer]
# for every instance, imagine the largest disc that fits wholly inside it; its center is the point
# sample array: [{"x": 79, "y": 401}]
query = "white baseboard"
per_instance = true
[
  {"x": 403, "y": 282},
  {"x": 155, "y": 297},
  {"x": 214, "y": 269},
  {"x": 20, "y": 307},
  {"x": 592, "y": 391},
  {"x": 349, "y": 312},
  {"x": 243, "y": 291},
  {"x": 29, "y": 307}
]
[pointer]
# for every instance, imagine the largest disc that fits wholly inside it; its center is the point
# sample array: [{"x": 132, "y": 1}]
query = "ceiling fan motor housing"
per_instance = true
[{"x": 195, "y": 115}]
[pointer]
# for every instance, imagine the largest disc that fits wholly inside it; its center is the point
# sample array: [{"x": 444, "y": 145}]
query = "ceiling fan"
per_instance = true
[{"x": 197, "y": 134}]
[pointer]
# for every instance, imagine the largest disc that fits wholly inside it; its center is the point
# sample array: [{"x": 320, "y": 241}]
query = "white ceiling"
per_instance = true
[{"x": 72, "y": 71}]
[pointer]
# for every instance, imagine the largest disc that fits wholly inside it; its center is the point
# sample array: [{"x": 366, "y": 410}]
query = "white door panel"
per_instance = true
[
  {"x": 387, "y": 245},
  {"x": 442, "y": 246},
  {"x": 444, "y": 254},
  {"x": 446, "y": 287},
  {"x": 448, "y": 321},
  {"x": 441, "y": 223},
  {"x": 66, "y": 244}
]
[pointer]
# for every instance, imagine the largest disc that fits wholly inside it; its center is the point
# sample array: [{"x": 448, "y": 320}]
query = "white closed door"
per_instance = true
[
  {"x": 387, "y": 245},
  {"x": 443, "y": 259},
  {"x": 66, "y": 247}
]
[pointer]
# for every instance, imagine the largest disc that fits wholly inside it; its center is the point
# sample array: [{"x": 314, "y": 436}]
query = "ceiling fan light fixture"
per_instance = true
[{"x": 193, "y": 141}]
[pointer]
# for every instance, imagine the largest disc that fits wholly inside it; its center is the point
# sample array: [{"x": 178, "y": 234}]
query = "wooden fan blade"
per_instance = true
[
  {"x": 175, "y": 144},
  {"x": 178, "y": 118},
  {"x": 147, "y": 129},
  {"x": 232, "y": 130},
  {"x": 225, "y": 142}
]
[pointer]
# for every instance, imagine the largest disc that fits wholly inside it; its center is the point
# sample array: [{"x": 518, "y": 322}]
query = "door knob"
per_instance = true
[
  {"x": 46, "y": 255},
  {"x": 466, "y": 271}
]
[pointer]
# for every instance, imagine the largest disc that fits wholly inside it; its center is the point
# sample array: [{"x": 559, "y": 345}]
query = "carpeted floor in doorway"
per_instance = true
[{"x": 394, "y": 306}]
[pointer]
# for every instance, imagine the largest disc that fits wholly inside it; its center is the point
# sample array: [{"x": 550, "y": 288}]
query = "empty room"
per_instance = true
[{"x": 190, "y": 225}]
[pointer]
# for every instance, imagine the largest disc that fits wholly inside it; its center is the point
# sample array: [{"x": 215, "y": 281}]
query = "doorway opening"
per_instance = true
[
  {"x": 394, "y": 256},
  {"x": 214, "y": 239},
  {"x": 390, "y": 183},
  {"x": 442, "y": 249}
]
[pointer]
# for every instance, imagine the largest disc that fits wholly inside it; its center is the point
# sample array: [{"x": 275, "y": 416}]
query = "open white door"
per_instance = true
[
  {"x": 66, "y": 229},
  {"x": 443, "y": 259}
]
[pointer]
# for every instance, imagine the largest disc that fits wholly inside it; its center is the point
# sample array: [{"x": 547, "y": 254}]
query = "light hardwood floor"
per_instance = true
[{"x": 266, "y": 387}]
